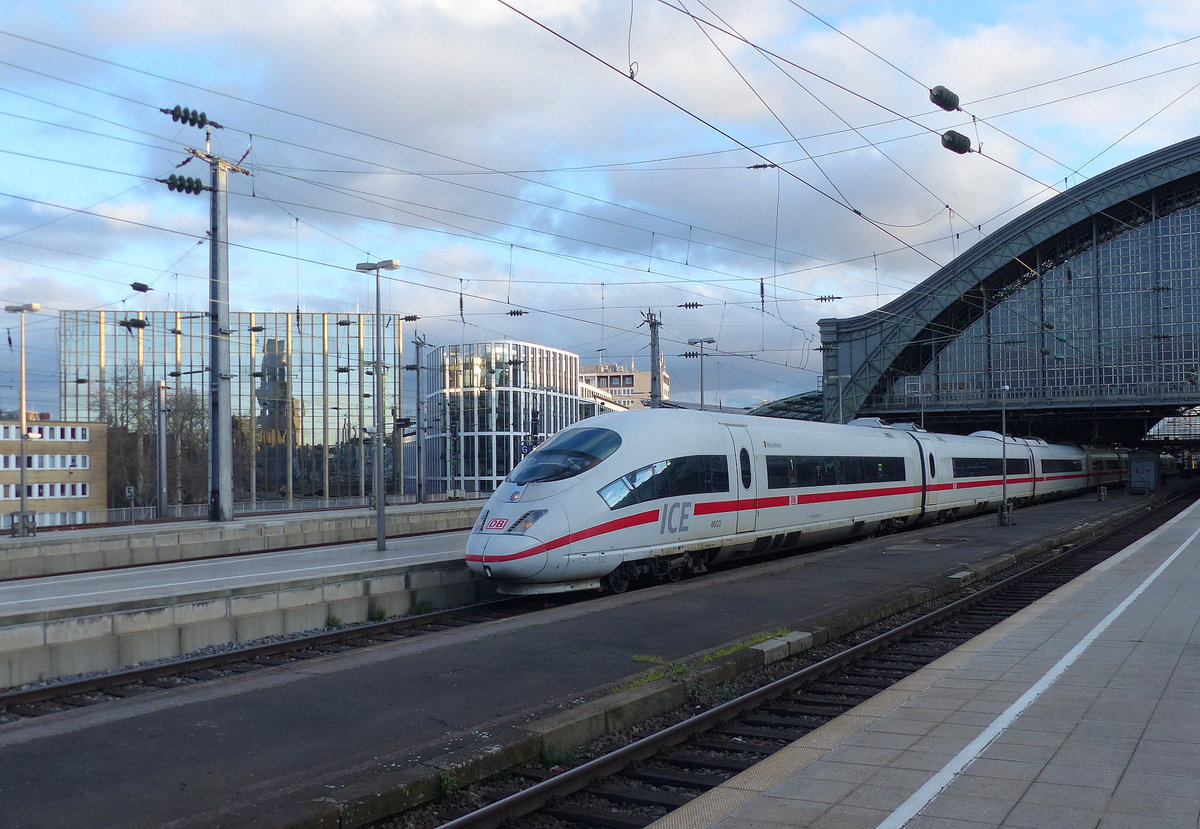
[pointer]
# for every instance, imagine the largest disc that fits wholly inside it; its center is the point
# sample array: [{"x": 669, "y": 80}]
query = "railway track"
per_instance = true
[
  {"x": 640, "y": 782},
  {"x": 35, "y": 701}
]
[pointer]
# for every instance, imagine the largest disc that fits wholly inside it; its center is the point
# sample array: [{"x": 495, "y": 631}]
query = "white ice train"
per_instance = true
[{"x": 659, "y": 493}]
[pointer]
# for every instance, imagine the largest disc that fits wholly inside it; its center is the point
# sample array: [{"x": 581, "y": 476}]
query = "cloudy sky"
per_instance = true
[{"x": 724, "y": 164}]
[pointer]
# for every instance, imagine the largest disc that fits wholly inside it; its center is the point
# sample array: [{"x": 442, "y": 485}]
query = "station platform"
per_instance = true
[
  {"x": 1081, "y": 711},
  {"x": 74, "y": 601},
  {"x": 340, "y": 740},
  {"x": 77, "y": 623}
]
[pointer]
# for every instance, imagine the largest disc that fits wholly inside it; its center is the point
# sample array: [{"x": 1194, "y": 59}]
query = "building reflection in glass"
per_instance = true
[{"x": 302, "y": 395}]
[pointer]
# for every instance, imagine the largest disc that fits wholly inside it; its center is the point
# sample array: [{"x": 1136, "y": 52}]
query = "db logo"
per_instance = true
[{"x": 496, "y": 524}]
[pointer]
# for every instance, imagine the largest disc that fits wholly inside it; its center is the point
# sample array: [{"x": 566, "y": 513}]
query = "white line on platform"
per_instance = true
[{"x": 925, "y": 795}]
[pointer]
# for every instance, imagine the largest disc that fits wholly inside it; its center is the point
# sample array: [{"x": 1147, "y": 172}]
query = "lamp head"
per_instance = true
[{"x": 385, "y": 265}]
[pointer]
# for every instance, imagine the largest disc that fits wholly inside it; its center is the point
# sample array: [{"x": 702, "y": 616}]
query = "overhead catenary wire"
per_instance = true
[
  {"x": 151, "y": 73},
  {"x": 659, "y": 259}
]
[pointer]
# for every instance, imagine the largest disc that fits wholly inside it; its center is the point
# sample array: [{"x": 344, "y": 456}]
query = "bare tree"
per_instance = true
[{"x": 127, "y": 404}]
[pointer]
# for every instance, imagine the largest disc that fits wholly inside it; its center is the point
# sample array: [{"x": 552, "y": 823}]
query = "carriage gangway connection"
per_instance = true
[
  {"x": 332, "y": 740},
  {"x": 78, "y": 601}
]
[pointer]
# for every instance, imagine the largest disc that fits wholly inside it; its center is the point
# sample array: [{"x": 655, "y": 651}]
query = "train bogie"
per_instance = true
[{"x": 660, "y": 493}]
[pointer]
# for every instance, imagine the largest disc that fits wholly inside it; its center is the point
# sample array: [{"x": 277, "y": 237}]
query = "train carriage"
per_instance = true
[{"x": 660, "y": 493}]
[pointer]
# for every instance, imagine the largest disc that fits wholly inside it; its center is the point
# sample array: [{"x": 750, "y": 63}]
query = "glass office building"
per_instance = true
[{"x": 303, "y": 389}]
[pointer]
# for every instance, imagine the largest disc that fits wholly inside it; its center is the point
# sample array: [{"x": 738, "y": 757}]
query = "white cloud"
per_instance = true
[{"x": 373, "y": 126}]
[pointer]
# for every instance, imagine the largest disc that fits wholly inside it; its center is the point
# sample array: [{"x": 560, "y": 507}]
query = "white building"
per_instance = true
[
  {"x": 628, "y": 387},
  {"x": 486, "y": 405},
  {"x": 65, "y": 471}
]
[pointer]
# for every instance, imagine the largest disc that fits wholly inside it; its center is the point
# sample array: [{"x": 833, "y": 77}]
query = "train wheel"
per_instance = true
[
  {"x": 618, "y": 580},
  {"x": 676, "y": 570}
]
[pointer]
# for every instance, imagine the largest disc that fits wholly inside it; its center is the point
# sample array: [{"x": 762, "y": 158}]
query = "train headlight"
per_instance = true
[{"x": 522, "y": 524}]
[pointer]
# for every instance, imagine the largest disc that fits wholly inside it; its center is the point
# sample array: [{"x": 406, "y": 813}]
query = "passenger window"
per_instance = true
[
  {"x": 677, "y": 477},
  {"x": 744, "y": 461}
]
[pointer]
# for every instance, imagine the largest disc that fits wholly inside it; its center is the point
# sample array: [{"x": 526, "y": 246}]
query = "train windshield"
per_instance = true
[{"x": 566, "y": 455}]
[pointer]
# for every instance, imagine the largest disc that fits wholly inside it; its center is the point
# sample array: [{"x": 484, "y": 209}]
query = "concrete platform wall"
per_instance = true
[
  {"x": 37, "y": 647},
  {"x": 51, "y": 553}
]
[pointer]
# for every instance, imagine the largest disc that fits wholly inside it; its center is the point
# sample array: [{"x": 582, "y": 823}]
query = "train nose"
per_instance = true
[{"x": 506, "y": 556}]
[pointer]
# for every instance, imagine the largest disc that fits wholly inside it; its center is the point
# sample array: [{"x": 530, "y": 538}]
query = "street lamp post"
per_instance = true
[
  {"x": 1005, "y": 515},
  {"x": 22, "y": 529},
  {"x": 377, "y": 478},
  {"x": 701, "y": 342},
  {"x": 419, "y": 478}
]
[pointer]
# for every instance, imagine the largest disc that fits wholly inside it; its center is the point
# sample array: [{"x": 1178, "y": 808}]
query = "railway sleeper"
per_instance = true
[
  {"x": 241, "y": 667},
  {"x": 641, "y": 796},
  {"x": 36, "y": 709},
  {"x": 132, "y": 690},
  {"x": 937, "y": 636},
  {"x": 741, "y": 730},
  {"x": 80, "y": 700},
  {"x": 823, "y": 705},
  {"x": 202, "y": 675},
  {"x": 967, "y": 629},
  {"x": 897, "y": 666},
  {"x": 591, "y": 816},
  {"x": 740, "y": 744},
  {"x": 813, "y": 711},
  {"x": 994, "y": 611},
  {"x": 911, "y": 651},
  {"x": 695, "y": 760},
  {"x": 785, "y": 728},
  {"x": 1001, "y": 605},
  {"x": 865, "y": 681},
  {"x": 839, "y": 689},
  {"x": 671, "y": 777},
  {"x": 176, "y": 681},
  {"x": 311, "y": 653},
  {"x": 533, "y": 773},
  {"x": 889, "y": 672}
]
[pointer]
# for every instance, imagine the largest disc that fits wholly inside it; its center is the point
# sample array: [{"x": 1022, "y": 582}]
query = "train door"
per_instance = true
[
  {"x": 743, "y": 479},
  {"x": 927, "y": 473}
]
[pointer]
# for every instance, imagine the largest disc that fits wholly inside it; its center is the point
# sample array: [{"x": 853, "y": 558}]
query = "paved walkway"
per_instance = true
[{"x": 1082, "y": 711}]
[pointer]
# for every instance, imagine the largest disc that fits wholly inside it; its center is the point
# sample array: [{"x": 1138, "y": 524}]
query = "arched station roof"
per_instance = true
[{"x": 865, "y": 356}]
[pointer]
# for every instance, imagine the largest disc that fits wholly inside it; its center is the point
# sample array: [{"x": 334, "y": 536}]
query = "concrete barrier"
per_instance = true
[
  {"x": 52, "y": 644},
  {"x": 69, "y": 551}
]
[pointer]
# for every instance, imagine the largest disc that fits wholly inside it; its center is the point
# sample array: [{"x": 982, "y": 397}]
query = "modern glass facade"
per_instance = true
[
  {"x": 302, "y": 390},
  {"x": 487, "y": 404},
  {"x": 1081, "y": 318},
  {"x": 1116, "y": 321}
]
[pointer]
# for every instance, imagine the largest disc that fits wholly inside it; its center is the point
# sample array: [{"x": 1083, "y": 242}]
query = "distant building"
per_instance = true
[
  {"x": 65, "y": 470},
  {"x": 627, "y": 385},
  {"x": 486, "y": 405}
]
